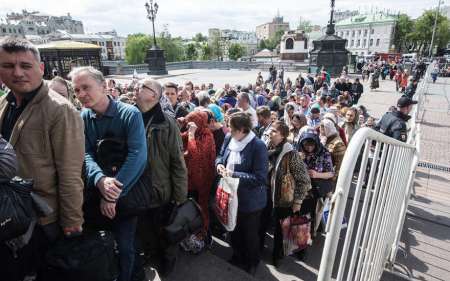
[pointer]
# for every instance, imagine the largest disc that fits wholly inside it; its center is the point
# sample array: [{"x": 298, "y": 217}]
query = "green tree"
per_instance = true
[
  {"x": 191, "y": 52},
  {"x": 136, "y": 49},
  {"x": 199, "y": 37},
  {"x": 273, "y": 41},
  {"x": 403, "y": 30},
  {"x": 304, "y": 25},
  {"x": 173, "y": 47},
  {"x": 206, "y": 52},
  {"x": 423, "y": 30},
  {"x": 236, "y": 51},
  {"x": 216, "y": 47},
  {"x": 262, "y": 45}
]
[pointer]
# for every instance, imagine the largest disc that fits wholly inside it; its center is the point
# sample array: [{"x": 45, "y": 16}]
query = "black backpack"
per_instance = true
[
  {"x": 90, "y": 257},
  {"x": 186, "y": 219},
  {"x": 16, "y": 208}
]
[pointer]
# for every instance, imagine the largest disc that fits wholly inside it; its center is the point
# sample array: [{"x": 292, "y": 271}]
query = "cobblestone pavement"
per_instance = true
[{"x": 426, "y": 235}]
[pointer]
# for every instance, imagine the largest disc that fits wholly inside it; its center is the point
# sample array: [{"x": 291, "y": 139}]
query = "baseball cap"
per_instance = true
[{"x": 405, "y": 101}]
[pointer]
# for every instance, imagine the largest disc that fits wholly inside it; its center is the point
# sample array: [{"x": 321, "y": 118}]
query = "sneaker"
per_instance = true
[{"x": 198, "y": 246}]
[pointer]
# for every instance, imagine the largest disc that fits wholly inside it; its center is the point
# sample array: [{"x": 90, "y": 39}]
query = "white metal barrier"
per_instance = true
[{"x": 380, "y": 199}]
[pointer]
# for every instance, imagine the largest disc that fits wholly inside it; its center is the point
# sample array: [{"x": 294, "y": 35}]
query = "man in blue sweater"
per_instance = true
[{"x": 106, "y": 117}]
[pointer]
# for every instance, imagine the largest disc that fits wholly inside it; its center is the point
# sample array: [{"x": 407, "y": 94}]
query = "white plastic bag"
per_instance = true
[{"x": 226, "y": 205}]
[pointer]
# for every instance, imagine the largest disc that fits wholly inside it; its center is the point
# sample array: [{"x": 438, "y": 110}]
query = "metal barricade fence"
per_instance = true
[{"x": 381, "y": 192}]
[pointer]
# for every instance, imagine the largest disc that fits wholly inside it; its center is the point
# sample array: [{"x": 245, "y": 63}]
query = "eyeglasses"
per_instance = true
[{"x": 148, "y": 88}]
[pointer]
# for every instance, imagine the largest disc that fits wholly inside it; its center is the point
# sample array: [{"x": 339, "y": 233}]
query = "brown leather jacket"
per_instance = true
[{"x": 49, "y": 141}]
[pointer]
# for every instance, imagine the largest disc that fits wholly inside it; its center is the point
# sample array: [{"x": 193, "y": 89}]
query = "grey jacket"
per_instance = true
[{"x": 165, "y": 159}]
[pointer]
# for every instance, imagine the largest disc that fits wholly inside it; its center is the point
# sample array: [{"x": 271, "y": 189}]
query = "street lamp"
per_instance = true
[
  {"x": 434, "y": 27},
  {"x": 152, "y": 9}
]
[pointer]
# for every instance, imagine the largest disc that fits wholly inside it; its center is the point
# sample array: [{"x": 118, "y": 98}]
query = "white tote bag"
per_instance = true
[{"x": 226, "y": 205}]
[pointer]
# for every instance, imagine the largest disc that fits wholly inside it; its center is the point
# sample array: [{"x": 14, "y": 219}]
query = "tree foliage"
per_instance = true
[
  {"x": 206, "y": 52},
  {"x": 415, "y": 36},
  {"x": 272, "y": 42},
  {"x": 216, "y": 48},
  {"x": 191, "y": 52},
  {"x": 173, "y": 47},
  {"x": 136, "y": 49},
  {"x": 304, "y": 25},
  {"x": 236, "y": 51},
  {"x": 199, "y": 37}
]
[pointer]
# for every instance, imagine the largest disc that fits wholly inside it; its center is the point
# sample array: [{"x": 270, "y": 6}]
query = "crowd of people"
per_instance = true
[{"x": 184, "y": 138}]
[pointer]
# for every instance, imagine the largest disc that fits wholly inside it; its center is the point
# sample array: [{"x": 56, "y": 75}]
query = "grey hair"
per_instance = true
[
  {"x": 95, "y": 74},
  {"x": 152, "y": 83},
  {"x": 203, "y": 97},
  {"x": 13, "y": 44}
]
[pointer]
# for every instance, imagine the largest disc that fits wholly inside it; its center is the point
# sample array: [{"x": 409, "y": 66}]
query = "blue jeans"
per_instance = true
[{"x": 125, "y": 232}]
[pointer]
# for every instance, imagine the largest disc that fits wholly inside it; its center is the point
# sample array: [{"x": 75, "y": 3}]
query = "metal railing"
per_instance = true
[{"x": 381, "y": 194}]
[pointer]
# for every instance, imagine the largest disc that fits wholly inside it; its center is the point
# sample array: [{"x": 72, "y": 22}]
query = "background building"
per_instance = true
[
  {"x": 112, "y": 45},
  {"x": 368, "y": 33},
  {"x": 294, "y": 46},
  {"x": 268, "y": 30},
  {"x": 227, "y": 37},
  {"x": 36, "y": 23}
]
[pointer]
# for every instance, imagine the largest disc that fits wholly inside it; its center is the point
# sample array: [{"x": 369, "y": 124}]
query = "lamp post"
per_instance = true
[
  {"x": 152, "y": 10},
  {"x": 434, "y": 28},
  {"x": 155, "y": 56}
]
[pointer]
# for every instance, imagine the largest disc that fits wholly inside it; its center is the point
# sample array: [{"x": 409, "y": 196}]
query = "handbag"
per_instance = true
[
  {"x": 90, "y": 257},
  {"x": 226, "y": 204},
  {"x": 185, "y": 219},
  {"x": 322, "y": 187},
  {"x": 287, "y": 185},
  {"x": 296, "y": 233},
  {"x": 111, "y": 154},
  {"x": 16, "y": 208}
]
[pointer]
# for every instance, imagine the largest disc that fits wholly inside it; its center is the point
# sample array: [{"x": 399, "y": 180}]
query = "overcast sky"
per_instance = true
[{"x": 187, "y": 17}]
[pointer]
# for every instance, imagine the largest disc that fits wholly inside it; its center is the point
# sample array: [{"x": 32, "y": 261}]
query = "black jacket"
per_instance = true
[{"x": 393, "y": 124}]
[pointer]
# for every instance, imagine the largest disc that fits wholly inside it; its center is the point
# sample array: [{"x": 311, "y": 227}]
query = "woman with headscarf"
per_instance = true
[
  {"x": 199, "y": 154},
  {"x": 320, "y": 169},
  {"x": 284, "y": 160},
  {"x": 289, "y": 109},
  {"x": 350, "y": 123},
  {"x": 330, "y": 139}
]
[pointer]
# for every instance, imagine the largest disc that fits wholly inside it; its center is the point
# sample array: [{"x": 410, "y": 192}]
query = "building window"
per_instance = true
[
  {"x": 372, "y": 31},
  {"x": 371, "y": 42},
  {"x": 378, "y": 42},
  {"x": 9, "y": 30},
  {"x": 306, "y": 43},
  {"x": 289, "y": 44},
  {"x": 359, "y": 32},
  {"x": 365, "y": 32},
  {"x": 4, "y": 30},
  {"x": 347, "y": 33},
  {"x": 353, "y": 33},
  {"x": 358, "y": 43},
  {"x": 351, "y": 44},
  {"x": 364, "y": 43}
]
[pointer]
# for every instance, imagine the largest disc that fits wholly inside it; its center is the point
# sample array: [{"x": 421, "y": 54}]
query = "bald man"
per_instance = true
[{"x": 167, "y": 167}]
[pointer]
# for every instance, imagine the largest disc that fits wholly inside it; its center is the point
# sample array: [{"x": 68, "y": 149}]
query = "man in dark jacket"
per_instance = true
[
  {"x": 357, "y": 90},
  {"x": 167, "y": 167},
  {"x": 393, "y": 124}
]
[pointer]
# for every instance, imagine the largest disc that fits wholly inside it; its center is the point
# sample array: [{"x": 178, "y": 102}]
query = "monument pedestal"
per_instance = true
[{"x": 156, "y": 61}]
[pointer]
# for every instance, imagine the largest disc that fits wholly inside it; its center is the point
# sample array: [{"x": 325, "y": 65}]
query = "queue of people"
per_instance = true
[{"x": 285, "y": 144}]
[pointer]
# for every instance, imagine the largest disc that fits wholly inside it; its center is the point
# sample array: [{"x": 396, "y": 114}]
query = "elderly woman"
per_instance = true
[
  {"x": 199, "y": 154},
  {"x": 330, "y": 139},
  {"x": 320, "y": 169},
  {"x": 244, "y": 156},
  {"x": 287, "y": 199},
  {"x": 350, "y": 123}
]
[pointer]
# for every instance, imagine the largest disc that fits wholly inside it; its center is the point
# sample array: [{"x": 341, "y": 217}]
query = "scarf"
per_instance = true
[{"x": 235, "y": 148}]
